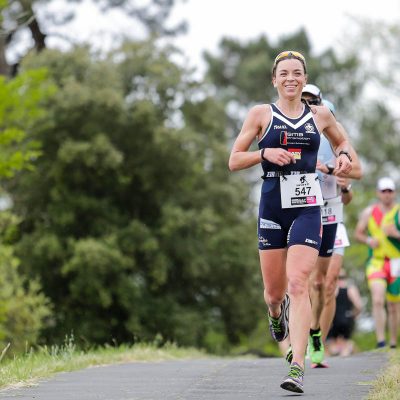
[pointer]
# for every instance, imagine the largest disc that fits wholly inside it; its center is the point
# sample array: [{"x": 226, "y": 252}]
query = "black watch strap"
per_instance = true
[
  {"x": 346, "y": 153},
  {"x": 262, "y": 154},
  {"x": 346, "y": 189}
]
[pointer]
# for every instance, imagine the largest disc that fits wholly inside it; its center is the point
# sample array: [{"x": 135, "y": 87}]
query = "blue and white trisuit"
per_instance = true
[{"x": 289, "y": 211}]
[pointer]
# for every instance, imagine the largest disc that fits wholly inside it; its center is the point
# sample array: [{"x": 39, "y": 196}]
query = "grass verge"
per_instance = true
[
  {"x": 387, "y": 385},
  {"x": 28, "y": 368}
]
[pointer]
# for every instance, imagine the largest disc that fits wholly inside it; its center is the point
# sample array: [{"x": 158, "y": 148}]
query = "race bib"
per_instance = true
[
  {"x": 341, "y": 239},
  {"x": 332, "y": 211},
  {"x": 302, "y": 190},
  {"x": 395, "y": 267},
  {"x": 328, "y": 186}
]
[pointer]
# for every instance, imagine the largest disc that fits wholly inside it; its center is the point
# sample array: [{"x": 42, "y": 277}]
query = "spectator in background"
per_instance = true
[
  {"x": 348, "y": 308},
  {"x": 336, "y": 192}
]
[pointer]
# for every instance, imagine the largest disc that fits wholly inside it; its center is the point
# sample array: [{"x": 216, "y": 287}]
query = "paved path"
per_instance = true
[{"x": 209, "y": 379}]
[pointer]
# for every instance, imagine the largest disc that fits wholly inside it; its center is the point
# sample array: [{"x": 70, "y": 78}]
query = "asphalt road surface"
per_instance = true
[{"x": 207, "y": 379}]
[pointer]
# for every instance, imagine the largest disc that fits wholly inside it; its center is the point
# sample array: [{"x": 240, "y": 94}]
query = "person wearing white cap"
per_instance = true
[
  {"x": 324, "y": 277},
  {"x": 378, "y": 227}
]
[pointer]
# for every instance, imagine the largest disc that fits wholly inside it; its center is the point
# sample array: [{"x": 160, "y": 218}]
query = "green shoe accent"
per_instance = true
[
  {"x": 316, "y": 348},
  {"x": 279, "y": 327},
  {"x": 289, "y": 355}
]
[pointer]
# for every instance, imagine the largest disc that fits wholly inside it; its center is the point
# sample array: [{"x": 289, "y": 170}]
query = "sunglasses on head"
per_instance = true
[
  {"x": 387, "y": 191},
  {"x": 289, "y": 53}
]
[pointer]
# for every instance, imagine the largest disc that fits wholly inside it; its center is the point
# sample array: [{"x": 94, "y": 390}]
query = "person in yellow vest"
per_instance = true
[
  {"x": 391, "y": 227},
  {"x": 370, "y": 229}
]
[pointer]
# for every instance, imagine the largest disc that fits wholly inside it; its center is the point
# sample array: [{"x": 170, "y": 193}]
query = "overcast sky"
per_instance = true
[
  {"x": 209, "y": 20},
  {"x": 325, "y": 22}
]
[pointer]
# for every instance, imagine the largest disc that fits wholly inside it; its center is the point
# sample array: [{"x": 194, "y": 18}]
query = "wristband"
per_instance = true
[
  {"x": 368, "y": 240},
  {"x": 346, "y": 153},
  {"x": 262, "y": 154}
]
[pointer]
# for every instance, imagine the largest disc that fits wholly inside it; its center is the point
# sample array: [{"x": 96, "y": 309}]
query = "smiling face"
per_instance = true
[{"x": 289, "y": 78}]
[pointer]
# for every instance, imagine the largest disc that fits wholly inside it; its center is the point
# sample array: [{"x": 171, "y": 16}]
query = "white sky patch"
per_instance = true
[{"x": 325, "y": 23}]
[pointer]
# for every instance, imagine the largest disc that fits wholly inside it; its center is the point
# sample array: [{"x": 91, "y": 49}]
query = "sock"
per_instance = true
[{"x": 315, "y": 331}]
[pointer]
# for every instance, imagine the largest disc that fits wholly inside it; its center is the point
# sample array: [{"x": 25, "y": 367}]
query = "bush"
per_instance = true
[{"x": 23, "y": 308}]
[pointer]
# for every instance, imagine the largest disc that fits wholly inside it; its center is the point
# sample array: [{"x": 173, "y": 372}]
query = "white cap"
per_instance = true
[
  {"x": 312, "y": 89},
  {"x": 386, "y": 183}
]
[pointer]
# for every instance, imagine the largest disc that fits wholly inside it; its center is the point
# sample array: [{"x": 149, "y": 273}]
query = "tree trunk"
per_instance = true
[
  {"x": 33, "y": 24},
  {"x": 37, "y": 34},
  {"x": 4, "y": 67}
]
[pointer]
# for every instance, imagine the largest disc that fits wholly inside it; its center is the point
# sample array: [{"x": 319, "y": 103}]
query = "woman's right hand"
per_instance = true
[
  {"x": 322, "y": 167},
  {"x": 279, "y": 156}
]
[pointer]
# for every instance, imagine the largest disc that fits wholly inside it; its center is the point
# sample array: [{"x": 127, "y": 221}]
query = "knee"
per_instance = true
[
  {"x": 318, "y": 284},
  {"x": 391, "y": 307},
  {"x": 297, "y": 286},
  {"x": 273, "y": 297},
  {"x": 378, "y": 302},
  {"x": 330, "y": 288}
]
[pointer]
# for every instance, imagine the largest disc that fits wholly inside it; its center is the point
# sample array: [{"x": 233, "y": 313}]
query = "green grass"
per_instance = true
[
  {"x": 45, "y": 361},
  {"x": 387, "y": 385},
  {"x": 364, "y": 341}
]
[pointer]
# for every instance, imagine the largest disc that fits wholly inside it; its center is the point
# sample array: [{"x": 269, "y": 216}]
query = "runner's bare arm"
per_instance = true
[
  {"x": 347, "y": 195},
  {"x": 240, "y": 157},
  {"x": 391, "y": 230},
  {"x": 356, "y": 172},
  {"x": 327, "y": 124},
  {"x": 360, "y": 232},
  {"x": 355, "y": 298}
]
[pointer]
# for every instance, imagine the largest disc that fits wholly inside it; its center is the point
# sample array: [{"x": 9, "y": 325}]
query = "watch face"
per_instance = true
[
  {"x": 330, "y": 168},
  {"x": 346, "y": 189}
]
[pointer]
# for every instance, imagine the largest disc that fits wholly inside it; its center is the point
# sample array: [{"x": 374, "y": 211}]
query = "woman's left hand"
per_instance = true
[{"x": 343, "y": 165}]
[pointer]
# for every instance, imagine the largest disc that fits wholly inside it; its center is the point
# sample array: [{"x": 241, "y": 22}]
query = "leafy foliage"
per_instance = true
[
  {"x": 131, "y": 219},
  {"x": 23, "y": 306},
  {"x": 20, "y": 110}
]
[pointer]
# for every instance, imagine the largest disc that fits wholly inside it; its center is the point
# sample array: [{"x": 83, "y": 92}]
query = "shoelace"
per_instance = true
[
  {"x": 316, "y": 342},
  {"x": 276, "y": 326},
  {"x": 295, "y": 372}
]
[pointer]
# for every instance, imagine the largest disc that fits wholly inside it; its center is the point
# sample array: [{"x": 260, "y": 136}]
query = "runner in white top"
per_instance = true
[{"x": 322, "y": 288}]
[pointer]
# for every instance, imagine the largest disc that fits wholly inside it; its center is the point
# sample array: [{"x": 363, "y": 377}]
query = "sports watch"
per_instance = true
[
  {"x": 346, "y": 189},
  {"x": 331, "y": 168}
]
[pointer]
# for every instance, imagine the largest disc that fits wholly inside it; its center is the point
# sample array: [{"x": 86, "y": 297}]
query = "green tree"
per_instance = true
[
  {"x": 23, "y": 307},
  {"x": 131, "y": 219},
  {"x": 376, "y": 112},
  {"x": 20, "y": 110}
]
